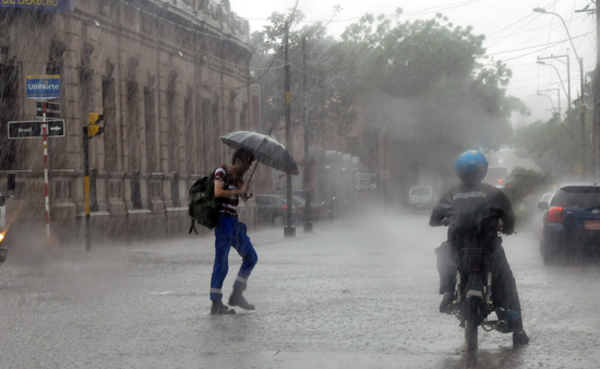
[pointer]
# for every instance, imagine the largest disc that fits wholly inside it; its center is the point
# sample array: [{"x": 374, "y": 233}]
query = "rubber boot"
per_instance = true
[
  {"x": 446, "y": 305},
  {"x": 520, "y": 338},
  {"x": 236, "y": 299},
  {"x": 218, "y": 308}
]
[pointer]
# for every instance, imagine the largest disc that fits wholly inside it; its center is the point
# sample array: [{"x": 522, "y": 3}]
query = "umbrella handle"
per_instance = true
[
  {"x": 250, "y": 179},
  {"x": 253, "y": 170}
]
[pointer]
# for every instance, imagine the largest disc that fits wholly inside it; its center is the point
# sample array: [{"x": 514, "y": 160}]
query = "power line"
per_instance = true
[
  {"x": 535, "y": 51},
  {"x": 434, "y": 9}
]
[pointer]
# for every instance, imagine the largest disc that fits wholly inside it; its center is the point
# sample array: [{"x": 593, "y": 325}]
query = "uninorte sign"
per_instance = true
[
  {"x": 33, "y": 129},
  {"x": 53, "y": 5},
  {"x": 43, "y": 86}
]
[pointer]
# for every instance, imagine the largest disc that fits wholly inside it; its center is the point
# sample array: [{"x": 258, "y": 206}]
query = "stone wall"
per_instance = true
[{"x": 169, "y": 78}]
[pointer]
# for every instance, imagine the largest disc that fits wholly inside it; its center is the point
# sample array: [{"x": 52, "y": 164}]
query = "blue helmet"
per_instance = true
[{"x": 471, "y": 165}]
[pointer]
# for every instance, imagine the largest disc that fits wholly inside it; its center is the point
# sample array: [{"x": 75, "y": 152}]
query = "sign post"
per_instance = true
[
  {"x": 43, "y": 87},
  {"x": 46, "y": 191}
]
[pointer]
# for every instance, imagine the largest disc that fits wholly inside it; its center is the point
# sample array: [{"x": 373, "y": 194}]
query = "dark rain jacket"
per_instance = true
[{"x": 468, "y": 205}]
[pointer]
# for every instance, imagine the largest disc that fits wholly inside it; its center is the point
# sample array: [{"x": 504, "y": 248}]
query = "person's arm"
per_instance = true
[
  {"x": 244, "y": 196},
  {"x": 222, "y": 192},
  {"x": 508, "y": 215},
  {"x": 441, "y": 210}
]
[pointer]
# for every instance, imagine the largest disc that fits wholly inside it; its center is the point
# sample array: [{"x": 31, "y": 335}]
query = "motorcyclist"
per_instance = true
[{"x": 463, "y": 209}]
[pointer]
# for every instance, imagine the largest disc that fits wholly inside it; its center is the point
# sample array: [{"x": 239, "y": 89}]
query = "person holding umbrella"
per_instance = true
[{"x": 229, "y": 187}]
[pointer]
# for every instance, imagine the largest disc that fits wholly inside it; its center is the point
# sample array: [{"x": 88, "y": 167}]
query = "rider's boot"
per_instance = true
[
  {"x": 446, "y": 305},
  {"x": 520, "y": 338}
]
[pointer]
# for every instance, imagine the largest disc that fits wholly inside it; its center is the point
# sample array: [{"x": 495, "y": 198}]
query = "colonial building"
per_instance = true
[{"x": 169, "y": 77}]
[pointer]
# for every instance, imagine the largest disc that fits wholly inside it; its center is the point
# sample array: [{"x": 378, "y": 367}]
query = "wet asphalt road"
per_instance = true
[{"x": 355, "y": 294}]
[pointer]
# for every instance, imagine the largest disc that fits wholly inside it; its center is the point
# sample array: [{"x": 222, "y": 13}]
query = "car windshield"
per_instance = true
[
  {"x": 420, "y": 191},
  {"x": 582, "y": 197}
]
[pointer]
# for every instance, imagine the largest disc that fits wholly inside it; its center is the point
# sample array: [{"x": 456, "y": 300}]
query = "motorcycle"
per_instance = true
[{"x": 473, "y": 298}]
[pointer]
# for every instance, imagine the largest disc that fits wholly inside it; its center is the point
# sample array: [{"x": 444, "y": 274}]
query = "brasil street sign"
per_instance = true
[
  {"x": 33, "y": 129},
  {"x": 43, "y": 86}
]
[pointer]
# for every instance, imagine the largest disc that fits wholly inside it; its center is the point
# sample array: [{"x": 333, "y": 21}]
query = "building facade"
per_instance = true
[{"x": 169, "y": 77}]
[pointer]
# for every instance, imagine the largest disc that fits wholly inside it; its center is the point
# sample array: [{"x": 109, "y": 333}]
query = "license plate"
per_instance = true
[{"x": 593, "y": 225}]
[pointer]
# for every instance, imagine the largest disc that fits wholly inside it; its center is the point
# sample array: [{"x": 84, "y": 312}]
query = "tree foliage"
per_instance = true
[
  {"x": 330, "y": 93},
  {"x": 556, "y": 144},
  {"x": 424, "y": 85},
  {"x": 526, "y": 181}
]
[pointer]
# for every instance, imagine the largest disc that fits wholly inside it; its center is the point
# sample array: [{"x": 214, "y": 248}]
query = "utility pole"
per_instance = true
[
  {"x": 307, "y": 211},
  {"x": 289, "y": 230},
  {"x": 583, "y": 143},
  {"x": 596, "y": 120},
  {"x": 595, "y": 141},
  {"x": 568, "y": 91},
  {"x": 539, "y": 92},
  {"x": 581, "y": 97}
]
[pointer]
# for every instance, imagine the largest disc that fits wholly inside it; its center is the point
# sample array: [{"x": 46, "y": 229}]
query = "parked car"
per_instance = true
[
  {"x": 3, "y": 229},
  {"x": 421, "y": 198},
  {"x": 273, "y": 209},
  {"x": 571, "y": 221},
  {"x": 497, "y": 176},
  {"x": 538, "y": 224},
  {"x": 319, "y": 209}
]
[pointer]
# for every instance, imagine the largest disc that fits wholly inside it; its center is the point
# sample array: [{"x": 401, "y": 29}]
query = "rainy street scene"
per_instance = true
[{"x": 299, "y": 184}]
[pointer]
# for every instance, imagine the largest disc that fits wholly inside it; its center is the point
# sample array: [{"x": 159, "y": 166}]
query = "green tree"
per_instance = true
[
  {"x": 526, "y": 181},
  {"x": 555, "y": 145},
  {"x": 331, "y": 94},
  {"x": 424, "y": 87}
]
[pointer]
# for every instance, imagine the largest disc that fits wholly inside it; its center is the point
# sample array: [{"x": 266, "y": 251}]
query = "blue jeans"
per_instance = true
[{"x": 230, "y": 232}]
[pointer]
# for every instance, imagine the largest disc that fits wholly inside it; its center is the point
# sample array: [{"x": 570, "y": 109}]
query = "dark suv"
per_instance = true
[{"x": 571, "y": 221}]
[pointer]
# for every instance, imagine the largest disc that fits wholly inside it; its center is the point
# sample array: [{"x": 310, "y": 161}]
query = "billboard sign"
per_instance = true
[
  {"x": 52, "y": 5},
  {"x": 43, "y": 86}
]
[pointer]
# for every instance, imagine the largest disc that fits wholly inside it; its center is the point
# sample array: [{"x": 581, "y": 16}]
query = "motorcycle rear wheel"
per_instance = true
[{"x": 472, "y": 323}]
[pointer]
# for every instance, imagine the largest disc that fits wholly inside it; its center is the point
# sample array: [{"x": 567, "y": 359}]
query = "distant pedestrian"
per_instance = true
[{"x": 230, "y": 186}]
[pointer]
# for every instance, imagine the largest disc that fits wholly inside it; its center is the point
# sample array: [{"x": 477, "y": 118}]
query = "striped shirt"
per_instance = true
[{"x": 230, "y": 204}]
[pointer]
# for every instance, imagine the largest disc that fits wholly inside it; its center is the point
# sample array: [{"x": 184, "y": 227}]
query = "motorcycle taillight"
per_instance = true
[{"x": 555, "y": 214}]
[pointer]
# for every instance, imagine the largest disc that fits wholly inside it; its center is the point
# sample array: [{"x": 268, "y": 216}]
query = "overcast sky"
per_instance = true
[{"x": 514, "y": 34}]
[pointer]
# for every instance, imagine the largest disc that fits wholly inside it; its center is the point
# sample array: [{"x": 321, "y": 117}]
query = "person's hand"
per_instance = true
[{"x": 245, "y": 188}]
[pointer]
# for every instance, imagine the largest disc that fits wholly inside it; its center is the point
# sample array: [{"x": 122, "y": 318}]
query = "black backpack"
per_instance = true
[{"x": 204, "y": 208}]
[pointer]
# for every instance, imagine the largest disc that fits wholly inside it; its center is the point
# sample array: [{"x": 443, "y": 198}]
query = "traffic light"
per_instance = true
[{"x": 94, "y": 128}]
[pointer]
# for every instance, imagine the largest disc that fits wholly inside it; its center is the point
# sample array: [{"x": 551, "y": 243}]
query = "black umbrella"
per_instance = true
[{"x": 266, "y": 150}]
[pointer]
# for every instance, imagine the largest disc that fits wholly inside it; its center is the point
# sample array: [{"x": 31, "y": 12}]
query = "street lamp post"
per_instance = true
[
  {"x": 539, "y": 92},
  {"x": 581, "y": 101},
  {"x": 568, "y": 91}
]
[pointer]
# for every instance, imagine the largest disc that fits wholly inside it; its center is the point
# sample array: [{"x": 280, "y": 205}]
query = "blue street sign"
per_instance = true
[
  {"x": 43, "y": 87},
  {"x": 52, "y": 5}
]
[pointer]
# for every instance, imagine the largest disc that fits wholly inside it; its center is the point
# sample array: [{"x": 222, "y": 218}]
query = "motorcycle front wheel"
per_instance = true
[{"x": 473, "y": 321}]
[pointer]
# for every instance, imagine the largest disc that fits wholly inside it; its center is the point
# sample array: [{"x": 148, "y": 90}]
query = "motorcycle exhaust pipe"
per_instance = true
[{"x": 506, "y": 320}]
